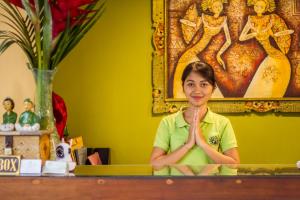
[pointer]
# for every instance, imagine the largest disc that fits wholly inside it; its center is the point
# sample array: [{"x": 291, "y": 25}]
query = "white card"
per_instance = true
[
  {"x": 55, "y": 167},
  {"x": 31, "y": 166}
]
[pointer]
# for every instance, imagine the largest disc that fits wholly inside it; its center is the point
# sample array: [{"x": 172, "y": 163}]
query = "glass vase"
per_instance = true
[{"x": 44, "y": 107}]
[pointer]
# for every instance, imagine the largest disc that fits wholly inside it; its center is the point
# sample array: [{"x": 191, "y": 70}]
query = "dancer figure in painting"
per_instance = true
[
  {"x": 212, "y": 25},
  {"x": 273, "y": 74}
]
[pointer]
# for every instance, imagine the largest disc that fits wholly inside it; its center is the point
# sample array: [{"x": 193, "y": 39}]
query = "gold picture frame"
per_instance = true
[{"x": 163, "y": 15}]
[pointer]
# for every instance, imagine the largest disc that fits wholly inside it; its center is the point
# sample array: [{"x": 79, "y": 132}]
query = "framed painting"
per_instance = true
[{"x": 252, "y": 45}]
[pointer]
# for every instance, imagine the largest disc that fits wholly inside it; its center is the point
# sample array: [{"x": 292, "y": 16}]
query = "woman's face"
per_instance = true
[
  {"x": 7, "y": 105},
  {"x": 260, "y": 7},
  {"x": 197, "y": 89},
  {"x": 217, "y": 7}
]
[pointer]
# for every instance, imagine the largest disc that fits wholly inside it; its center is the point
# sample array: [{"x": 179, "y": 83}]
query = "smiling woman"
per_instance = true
[{"x": 195, "y": 135}]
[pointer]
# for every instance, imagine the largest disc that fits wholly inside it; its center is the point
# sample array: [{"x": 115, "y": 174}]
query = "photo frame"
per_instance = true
[{"x": 259, "y": 74}]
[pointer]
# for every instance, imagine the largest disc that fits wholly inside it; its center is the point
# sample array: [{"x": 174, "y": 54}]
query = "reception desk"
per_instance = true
[{"x": 245, "y": 182}]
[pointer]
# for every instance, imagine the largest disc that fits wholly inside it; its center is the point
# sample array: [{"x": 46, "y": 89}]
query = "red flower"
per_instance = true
[
  {"x": 60, "y": 10},
  {"x": 60, "y": 113}
]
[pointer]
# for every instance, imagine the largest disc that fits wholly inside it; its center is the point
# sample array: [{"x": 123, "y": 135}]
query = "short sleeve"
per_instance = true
[
  {"x": 228, "y": 139},
  {"x": 162, "y": 138}
]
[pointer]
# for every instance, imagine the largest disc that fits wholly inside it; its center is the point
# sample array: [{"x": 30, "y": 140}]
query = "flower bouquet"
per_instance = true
[{"x": 47, "y": 32}]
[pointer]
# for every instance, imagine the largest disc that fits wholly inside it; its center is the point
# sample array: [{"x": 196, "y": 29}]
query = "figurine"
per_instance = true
[
  {"x": 63, "y": 154},
  {"x": 9, "y": 117},
  {"x": 28, "y": 120}
]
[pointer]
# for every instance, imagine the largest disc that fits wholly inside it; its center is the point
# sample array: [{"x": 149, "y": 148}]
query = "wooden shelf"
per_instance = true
[{"x": 27, "y": 133}]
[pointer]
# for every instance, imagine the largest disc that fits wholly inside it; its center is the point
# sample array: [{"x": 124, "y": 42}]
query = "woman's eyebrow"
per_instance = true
[
  {"x": 202, "y": 81},
  {"x": 189, "y": 80}
]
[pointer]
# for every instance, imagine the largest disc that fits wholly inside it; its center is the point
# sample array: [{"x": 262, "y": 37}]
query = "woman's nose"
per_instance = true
[{"x": 197, "y": 88}]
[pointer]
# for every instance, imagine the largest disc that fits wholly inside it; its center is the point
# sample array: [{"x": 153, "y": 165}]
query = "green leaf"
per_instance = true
[
  {"x": 86, "y": 27},
  {"x": 5, "y": 44},
  {"x": 18, "y": 32},
  {"x": 33, "y": 33},
  {"x": 37, "y": 31},
  {"x": 12, "y": 15},
  {"x": 20, "y": 25},
  {"x": 76, "y": 33},
  {"x": 61, "y": 46},
  {"x": 31, "y": 13},
  {"x": 47, "y": 33}
]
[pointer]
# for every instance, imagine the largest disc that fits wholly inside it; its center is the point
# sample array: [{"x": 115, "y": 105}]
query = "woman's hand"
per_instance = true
[
  {"x": 191, "y": 139},
  {"x": 199, "y": 138},
  {"x": 194, "y": 125}
]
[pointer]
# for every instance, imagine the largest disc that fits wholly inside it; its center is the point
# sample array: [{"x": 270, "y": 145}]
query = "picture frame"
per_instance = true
[{"x": 172, "y": 22}]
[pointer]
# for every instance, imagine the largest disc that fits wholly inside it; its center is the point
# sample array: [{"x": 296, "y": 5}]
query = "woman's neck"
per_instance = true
[{"x": 189, "y": 113}]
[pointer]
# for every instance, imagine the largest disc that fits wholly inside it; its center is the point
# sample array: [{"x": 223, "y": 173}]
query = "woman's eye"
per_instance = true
[
  {"x": 203, "y": 84},
  {"x": 190, "y": 84}
]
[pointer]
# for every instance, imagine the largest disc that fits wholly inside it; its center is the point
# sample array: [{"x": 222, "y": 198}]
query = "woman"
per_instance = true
[
  {"x": 195, "y": 135},
  {"x": 212, "y": 25},
  {"x": 9, "y": 117},
  {"x": 273, "y": 74}
]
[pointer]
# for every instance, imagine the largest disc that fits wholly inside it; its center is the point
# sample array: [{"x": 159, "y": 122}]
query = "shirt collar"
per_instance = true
[
  {"x": 179, "y": 119},
  {"x": 180, "y": 122},
  {"x": 208, "y": 117}
]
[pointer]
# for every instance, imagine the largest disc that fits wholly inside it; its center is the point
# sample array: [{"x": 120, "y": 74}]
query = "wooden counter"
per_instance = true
[{"x": 143, "y": 185}]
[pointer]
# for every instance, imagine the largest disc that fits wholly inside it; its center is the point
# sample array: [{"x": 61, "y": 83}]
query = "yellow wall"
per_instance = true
[{"x": 106, "y": 82}]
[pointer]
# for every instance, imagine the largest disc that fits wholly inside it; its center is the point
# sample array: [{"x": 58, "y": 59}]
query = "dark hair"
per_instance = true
[
  {"x": 201, "y": 68},
  {"x": 11, "y": 101}
]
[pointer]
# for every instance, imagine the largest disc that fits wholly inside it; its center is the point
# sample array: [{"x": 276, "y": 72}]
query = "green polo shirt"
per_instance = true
[{"x": 173, "y": 132}]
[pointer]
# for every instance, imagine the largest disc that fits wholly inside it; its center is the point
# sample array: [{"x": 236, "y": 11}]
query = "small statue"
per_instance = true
[
  {"x": 28, "y": 120},
  {"x": 9, "y": 117}
]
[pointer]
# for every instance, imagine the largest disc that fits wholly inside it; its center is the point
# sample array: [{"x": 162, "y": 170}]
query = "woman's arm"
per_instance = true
[
  {"x": 231, "y": 156},
  {"x": 209, "y": 169},
  {"x": 225, "y": 45},
  {"x": 185, "y": 170},
  {"x": 244, "y": 35},
  {"x": 161, "y": 157}
]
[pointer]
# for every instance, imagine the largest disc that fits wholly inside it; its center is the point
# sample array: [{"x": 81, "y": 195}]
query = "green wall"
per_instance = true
[{"x": 106, "y": 83}]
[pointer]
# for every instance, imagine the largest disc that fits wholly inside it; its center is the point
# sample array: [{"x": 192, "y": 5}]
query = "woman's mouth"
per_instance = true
[{"x": 197, "y": 98}]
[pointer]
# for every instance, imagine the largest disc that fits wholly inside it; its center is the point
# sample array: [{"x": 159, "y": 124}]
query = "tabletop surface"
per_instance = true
[
  {"x": 209, "y": 170},
  {"x": 184, "y": 170}
]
